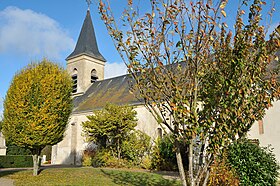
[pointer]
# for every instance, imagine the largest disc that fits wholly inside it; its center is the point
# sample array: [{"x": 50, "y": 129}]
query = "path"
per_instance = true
[{"x": 6, "y": 182}]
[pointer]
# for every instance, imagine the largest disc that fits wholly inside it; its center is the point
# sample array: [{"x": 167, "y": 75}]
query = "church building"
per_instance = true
[{"x": 91, "y": 92}]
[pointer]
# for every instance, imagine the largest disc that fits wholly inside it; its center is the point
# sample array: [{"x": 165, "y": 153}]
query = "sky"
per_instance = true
[{"x": 33, "y": 29}]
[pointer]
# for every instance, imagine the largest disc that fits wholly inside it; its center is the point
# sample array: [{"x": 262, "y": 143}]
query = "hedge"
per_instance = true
[{"x": 15, "y": 161}]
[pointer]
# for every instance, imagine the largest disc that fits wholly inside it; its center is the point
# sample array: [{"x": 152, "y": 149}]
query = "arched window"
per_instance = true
[
  {"x": 75, "y": 80},
  {"x": 159, "y": 132},
  {"x": 94, "y": 77}
]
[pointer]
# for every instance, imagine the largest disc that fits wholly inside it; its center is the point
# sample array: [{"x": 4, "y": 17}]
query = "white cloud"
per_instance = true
[
  {"x": 31, "y": 33},
  {"x": 114, "y": 69}
]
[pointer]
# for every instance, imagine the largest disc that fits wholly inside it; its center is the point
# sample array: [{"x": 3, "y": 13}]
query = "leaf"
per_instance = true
[
  {"x": 223, "y": 4},
  {"x": 223, "y": 13}
]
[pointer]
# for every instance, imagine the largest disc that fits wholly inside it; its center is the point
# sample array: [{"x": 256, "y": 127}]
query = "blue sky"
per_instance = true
[{"x": 33, "y": 29}]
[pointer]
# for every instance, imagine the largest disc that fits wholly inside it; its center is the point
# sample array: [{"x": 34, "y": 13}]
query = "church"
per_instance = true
[{"x": 91, "y": 92}]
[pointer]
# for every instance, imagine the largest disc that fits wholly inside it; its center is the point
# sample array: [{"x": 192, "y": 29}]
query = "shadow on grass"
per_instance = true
[
  {"x": 138, "y": 179},
  {"x": 9, "y": 172}
]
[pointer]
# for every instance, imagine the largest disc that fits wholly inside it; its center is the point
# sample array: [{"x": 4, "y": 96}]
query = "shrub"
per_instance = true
[
  {"x": 105, "y": 158},
  {"x": 254, "y": 165},
  {"x": 146, "y": 162},
  {"x": 15, "y": 150},
  {"x": 222, "y": 174},
  {"x": 88, "y": 155},
  {"x": 164, "y": 156},
  {"x": 136, "y": 147},
  {"x": 15, "y": 161}
]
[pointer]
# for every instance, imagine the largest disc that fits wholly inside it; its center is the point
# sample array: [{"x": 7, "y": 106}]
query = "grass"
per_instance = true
[{"x": 87, "y": 176}]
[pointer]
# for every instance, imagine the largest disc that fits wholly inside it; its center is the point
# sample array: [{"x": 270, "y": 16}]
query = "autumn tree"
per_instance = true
[
  {"x": 205, "y": 82},
  {"x": 112, "y": 124},
  {"x": 37, "y": 107}
]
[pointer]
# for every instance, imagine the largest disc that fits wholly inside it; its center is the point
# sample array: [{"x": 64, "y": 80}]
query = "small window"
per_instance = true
[
  {"x": 75, "y": 80},
  {"x": 261, "y": 129},
  {"x": 94, "y": 77}
]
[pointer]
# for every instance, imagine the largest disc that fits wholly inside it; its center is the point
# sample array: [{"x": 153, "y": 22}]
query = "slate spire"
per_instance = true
[{"x": 87, "y": 44}]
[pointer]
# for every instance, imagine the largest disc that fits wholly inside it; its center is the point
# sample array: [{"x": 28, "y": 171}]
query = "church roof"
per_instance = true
[
  {"x": 87, "y": 44},
  {"x": 114, "y": 90}
]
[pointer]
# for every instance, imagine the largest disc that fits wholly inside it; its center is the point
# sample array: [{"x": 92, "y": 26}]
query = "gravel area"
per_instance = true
[{"x": 6, "y": 182}]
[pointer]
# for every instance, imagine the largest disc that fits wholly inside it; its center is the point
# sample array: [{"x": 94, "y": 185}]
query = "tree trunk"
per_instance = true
[
  {"x": 180, "y": 164},
  {"x": 192, "y": 181},
  {"x": 36, "y": 161}
]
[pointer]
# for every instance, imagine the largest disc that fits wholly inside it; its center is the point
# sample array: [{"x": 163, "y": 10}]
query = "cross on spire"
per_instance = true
[{"x": 89, "y": 3}]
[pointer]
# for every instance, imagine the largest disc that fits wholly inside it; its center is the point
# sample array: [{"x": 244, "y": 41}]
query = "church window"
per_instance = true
[
  {"x": 261, "y": 128},
  {"x": 159, "y": 131},
  {"x": 75, "y": 80},
  {"x": 94, "y": 77}
]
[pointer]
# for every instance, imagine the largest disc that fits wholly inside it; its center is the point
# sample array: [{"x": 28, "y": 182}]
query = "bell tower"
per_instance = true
[{"x": 85, "y": 64}]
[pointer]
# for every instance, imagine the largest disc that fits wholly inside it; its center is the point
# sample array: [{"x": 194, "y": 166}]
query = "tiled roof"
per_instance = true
[{"x": 114, "y": 90}]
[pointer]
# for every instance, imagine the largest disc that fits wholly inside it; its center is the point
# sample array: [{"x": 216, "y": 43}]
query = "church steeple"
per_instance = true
[
  {"x": 85, "y": 64},
  {"x": 87, "y": 44}
]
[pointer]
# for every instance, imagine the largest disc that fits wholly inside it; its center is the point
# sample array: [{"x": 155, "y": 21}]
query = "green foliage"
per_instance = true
[
  {"x": 15, "y": 150},
  {"x": 110, "y": 126},
  {"x": 135, "y": 153},
  {"x": 255, "y": 165},
  {"x": 222, "y": 174},
  {"x": 136, "y": 146},
  {"x": 1, "y": 123},
  {"x": 37, "y": 107},
  {"x": 15, "y": 161},
  {"x": 87, "y": 161},
  {"x": 105, "y": 158},
  {"x": 190, "y": 67},
  {"x": 163, "y": 154}
]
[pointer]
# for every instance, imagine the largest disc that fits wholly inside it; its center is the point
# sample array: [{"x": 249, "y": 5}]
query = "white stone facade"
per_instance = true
[
  {"x": 267, "y": 131},
  {"x": 2, "y": 145},
  {"x": 70, "y": 149}
]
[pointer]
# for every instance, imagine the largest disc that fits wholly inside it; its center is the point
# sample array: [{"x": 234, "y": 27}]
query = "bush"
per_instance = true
[
  {"x": 15, "y": 161},
  {"x": 254, "y": 165},
  {"x": 136, "y": 147},
  {"x": 88, "y": 156},
  {"x": 222, "y": 174},
  {"x": 105, "y": 158},
  {"x": 15, "y": 150},
  {"x": 164, "y": 156}
]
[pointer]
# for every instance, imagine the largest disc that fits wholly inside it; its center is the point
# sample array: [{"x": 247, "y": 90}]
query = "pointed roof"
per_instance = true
[{"x": 87, "y": 44}]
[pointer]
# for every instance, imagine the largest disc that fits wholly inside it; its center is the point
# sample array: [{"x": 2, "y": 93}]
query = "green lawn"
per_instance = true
[{"x": 87, "y": 176}]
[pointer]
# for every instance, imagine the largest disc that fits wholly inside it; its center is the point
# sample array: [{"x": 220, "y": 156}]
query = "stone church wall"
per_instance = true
[
  {"x": 70, "y": 149},
  {"x": 267, "y": 131}
]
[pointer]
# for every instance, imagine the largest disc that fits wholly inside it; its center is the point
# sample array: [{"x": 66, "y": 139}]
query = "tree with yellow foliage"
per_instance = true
[{"x": 37, "y": 107}]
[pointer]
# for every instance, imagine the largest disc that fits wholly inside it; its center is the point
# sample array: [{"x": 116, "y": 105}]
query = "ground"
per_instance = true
[{"x": 87, "y": 176}]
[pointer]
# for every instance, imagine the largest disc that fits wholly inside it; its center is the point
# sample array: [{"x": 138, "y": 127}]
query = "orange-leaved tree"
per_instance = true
[{"x": 203, "y": 81}]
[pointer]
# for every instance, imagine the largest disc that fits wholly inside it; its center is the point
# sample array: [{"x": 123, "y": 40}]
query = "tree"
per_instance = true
[
  {"x": 37, "y": 107},
  {"x": 206, "y": 83},
  {"x": 110, "y": 124}
]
